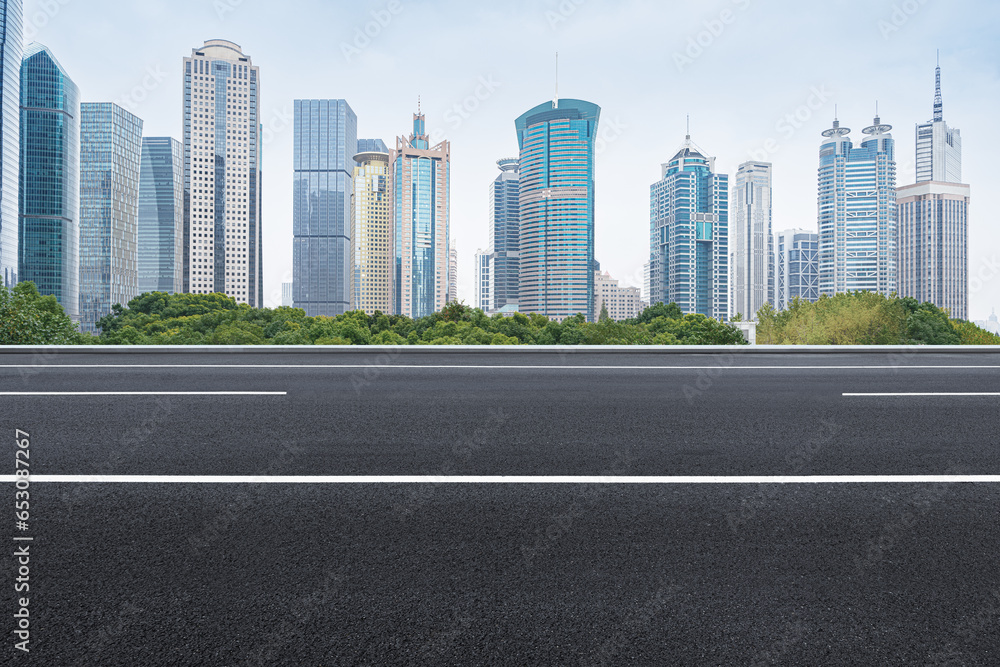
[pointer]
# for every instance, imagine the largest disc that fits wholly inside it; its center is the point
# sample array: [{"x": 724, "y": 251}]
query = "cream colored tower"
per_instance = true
[
  {"x": 371, "y": 221},
  {"x": 222, "y": 198}
]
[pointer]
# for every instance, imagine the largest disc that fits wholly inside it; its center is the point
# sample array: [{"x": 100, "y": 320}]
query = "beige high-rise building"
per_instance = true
[
  {"x": 623, "y": 303},
  {"x": 222, "y": 198},
  {"x": 371, "y": 222}
]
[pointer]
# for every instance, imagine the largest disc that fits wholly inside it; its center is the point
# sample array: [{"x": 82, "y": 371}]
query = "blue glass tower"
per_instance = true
[
  {"x": 49, "y": 229},
  {"x": 689, "y": 235},
  {"x": 796, "y": 267},
  {"x": 11, "y": 47},
  {"x": 110, "y": 149},
  {"x": 161, "y": 216},
  {"x": 505, "y": 236},
  {"x": 326, "y": 141},
  {"x": 556, "y": 201},
  {"x": 857, "y": 211}
]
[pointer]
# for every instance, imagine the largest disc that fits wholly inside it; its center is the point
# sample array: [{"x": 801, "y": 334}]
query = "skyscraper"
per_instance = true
[
  {"x": 934, "y": 219},
  {"x": 11, "y": 46},
  {"x": 752, "y": 260},
  {"x": 505, "y": 235},
  {"x": 453, "y": 273},
  {"x": 161, "y": 216},
  {"x": 556, "y": 200},
  {"x": 939, "y": 147},
  {"x": 222, "y": 173},
  {"x": 372, "y": 233},
  {"x": 481, "y": 298},
  {"x": 689, "y": 235},
  {"x": 934, "y": 244},
  {"x": 857, "y": 211},
  {"x": 49, "y": 225},
  {"x": 326, "y": 140},
  {"x": 421, "y": 182},
  {"x": 796, "y": 267},
  {"x": 110, "y": 149}
]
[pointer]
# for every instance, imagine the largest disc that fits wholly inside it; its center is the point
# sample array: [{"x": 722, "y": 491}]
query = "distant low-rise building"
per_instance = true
[{"x": 623, "y": 303}]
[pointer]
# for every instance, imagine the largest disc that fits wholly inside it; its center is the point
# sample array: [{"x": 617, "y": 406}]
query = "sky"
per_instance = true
[{"x": 759, "y": 80}]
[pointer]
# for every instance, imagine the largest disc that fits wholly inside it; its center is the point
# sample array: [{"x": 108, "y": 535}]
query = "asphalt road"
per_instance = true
[{"x": 506, "y": 574}]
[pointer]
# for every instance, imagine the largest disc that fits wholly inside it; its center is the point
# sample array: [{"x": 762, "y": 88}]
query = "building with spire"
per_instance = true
[
  {"x": 689, "y": 234},
  {"x": 933, "y": 250},
  {"x": 939, "y": 147},
  {"x": 421, "y": 186},
  {"x": 752, "y": 242},
  {"x": 857, "y": 211},
  {"x": 556, "y": 208}
]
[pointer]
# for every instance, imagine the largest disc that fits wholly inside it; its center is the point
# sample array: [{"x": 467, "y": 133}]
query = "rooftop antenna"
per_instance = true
[
  {"x": 555, "y": 100},
  {"x": 836, "y": 130},
  {"x": 938, "y": 100},
  {"x": 688, "y": 127},
  {"x": 418, "y": 105}
]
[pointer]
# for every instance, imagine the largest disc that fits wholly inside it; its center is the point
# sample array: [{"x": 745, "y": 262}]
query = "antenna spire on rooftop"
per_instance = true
[
  {"x": 555, "y": 100},
  {"x": 938, "y": 99}
]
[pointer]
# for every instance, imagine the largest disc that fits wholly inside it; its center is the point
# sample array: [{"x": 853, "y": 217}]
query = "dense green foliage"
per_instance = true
[
  {"x": 182, "y": 319},
  {"x": 27, "y": 318},
  {"x": 864, "y": 318}
]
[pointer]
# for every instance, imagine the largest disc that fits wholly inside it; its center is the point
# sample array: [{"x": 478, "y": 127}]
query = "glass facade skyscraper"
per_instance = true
[
  {"x": 326, "y": 141},
  {"x": 161, "y": 216},
  {"x": 796, "y": 267},
  {"x": 752, "y": 243},
  {"x": 222, "y": 173},
  {"x": 11, "y": 48},
  {"x": 689, "y": 235},
  {"x": 556, "y": 201},
  {"x": 421, "y": 185},
  {"x": 857, "y": 211},
  {"x": 505, "y": 235},
  {"x": 49, "y": 233},
  {"x": 110, "y": 150}
]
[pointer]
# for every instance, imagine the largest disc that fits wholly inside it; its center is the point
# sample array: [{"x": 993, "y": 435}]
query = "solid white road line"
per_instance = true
[
  {"x": 906, "y": 395},
  {"x": 390, "y": 366},
  {"x": 471, "y": 480},
  {"x": 143, "y": 393}
]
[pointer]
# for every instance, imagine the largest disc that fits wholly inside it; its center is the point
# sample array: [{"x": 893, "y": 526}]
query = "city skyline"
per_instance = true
[{"x": 466, "y": 102}]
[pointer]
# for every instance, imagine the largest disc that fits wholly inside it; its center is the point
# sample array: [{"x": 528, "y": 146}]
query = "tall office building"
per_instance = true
[
  {"x": 421, "y": 182},
  {"x": 505, "y": 235},
  {"x": 49, "y": 225},
  {"x": 933, "y": 221},
  {"x": 939, "y": 147},
  {"x": 556, "y": 199},
  {"x": 796, "y": 267},
  {"x": 934, "y": 245},
  {"x": 689, "y": 235},
  {"x": 326, "y": 141},
  {"x": 11, "y": 48},
  {"x": 857, "y": 211},
  {"x": 752, "y": 243},
  {"x": 110, "y": 150},
  {"x": 161, "y": 216},
  {"x": 372, "y": 146},
  {"x": 621, "y": 303},
  {"x": 222, "y": 173},
  {"x": 481, "y": 297},
  {"x": 453, "y": 273},
  {"x": 371, "y": 222}
]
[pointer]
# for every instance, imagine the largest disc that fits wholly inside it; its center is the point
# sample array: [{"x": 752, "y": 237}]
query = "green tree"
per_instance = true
[{"x": 28, "y": 318}]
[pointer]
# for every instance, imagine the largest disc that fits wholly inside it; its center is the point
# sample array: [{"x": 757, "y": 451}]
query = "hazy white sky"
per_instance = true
[{"x": 743, "y": 70}]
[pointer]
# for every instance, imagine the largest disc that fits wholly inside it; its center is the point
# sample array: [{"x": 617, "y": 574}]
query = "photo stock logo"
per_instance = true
[{"x": 363, "y": 35}]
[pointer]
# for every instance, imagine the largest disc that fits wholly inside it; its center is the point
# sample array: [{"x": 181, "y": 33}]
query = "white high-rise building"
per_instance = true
[
  {"x": 751, "y": 242},
  {"x": 622, "y": 303},
  {"x": 453, "y": 273},
  {"x": 222, "y": 197},
  {"x": 939, "y": 147},
  {"x": 796, "y": 267},
  {"x": 482, "y": 297}
]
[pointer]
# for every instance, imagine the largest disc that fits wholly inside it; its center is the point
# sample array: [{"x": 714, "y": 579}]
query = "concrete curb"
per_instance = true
[{"x": 901, "y": 350}]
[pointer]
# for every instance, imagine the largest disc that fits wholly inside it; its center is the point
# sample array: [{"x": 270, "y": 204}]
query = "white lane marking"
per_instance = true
[
  {"x": 469, "y": 480},
  {"x": 905, "y": 395},
  {"x": 143, "y": 393},
  {"x": 480, "y": 367}
]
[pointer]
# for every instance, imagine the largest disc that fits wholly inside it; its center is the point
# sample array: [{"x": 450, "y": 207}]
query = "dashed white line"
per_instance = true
[{"x": 934, "y": 394}]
